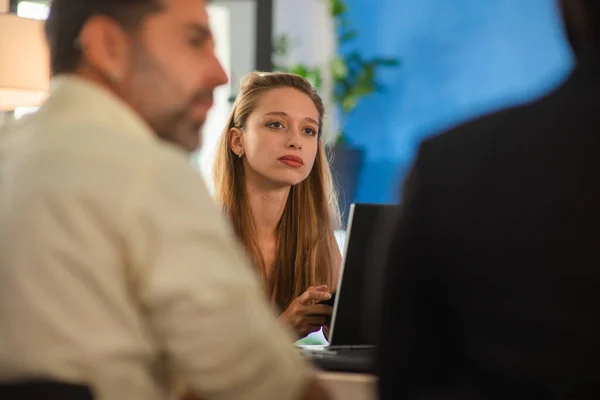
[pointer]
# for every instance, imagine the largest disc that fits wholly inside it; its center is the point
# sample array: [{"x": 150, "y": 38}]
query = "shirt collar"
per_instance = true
[{"x": 89, "y": 102}]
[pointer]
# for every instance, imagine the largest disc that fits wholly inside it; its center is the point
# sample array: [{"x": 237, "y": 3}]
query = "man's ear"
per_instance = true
[
  {"x": 105, "y": 47},
  {"x": 236, "y": 141}
]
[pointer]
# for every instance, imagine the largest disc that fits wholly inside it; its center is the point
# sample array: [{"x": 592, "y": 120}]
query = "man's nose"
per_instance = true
[{"x": 219, "y": 74}]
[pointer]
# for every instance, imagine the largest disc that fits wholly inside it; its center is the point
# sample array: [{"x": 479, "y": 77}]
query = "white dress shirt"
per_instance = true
[{"x": 116, "y": 268}]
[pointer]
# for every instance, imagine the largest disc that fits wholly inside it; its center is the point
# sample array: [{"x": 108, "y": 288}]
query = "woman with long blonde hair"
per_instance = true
[{"x": 272, "y": 179}]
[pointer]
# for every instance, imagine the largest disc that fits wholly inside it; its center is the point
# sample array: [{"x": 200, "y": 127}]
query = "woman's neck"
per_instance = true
[{"x": 267, "y": 205}]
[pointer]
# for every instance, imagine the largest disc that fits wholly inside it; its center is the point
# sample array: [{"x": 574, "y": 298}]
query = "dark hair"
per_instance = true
[
  {"x": 591, "y": 8},
  {"x": 593, "y": 11},
  {"x": 67, "y": 18}
]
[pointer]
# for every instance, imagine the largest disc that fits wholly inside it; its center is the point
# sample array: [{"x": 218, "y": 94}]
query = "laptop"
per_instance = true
[{"x": 355, "y": 319}]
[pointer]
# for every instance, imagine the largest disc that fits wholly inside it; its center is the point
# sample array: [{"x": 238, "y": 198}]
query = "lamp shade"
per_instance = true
[{"x": 24, "y": 65}]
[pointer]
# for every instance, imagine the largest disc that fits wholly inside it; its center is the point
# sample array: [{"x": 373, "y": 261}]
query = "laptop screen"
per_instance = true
[{"x": 354, "y": 321}]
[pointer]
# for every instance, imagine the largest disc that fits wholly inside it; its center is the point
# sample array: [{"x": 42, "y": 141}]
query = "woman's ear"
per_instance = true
[{"x": 236, "y": 142}]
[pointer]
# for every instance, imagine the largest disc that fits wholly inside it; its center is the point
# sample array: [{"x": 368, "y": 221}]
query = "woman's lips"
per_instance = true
[{"x": 292, "y": 161}]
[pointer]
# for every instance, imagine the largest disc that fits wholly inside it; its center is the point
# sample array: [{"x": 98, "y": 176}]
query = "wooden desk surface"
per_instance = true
[{"x": 347, "y": 386}]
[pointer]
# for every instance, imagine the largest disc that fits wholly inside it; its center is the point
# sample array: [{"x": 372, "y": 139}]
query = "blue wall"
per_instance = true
[{"x": 460, "y": 59}]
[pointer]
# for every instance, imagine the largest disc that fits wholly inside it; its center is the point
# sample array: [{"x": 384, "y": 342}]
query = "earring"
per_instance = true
[{"x": 240, "y": 153}]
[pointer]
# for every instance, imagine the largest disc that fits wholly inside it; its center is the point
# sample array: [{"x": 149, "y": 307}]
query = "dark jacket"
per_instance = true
[{"x": 493, "y": 285}]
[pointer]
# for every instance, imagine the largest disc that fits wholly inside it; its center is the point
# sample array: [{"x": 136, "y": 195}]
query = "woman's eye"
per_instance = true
[
  {"x": 275, "y": 125},
  {"x": 310, "y": 131}
]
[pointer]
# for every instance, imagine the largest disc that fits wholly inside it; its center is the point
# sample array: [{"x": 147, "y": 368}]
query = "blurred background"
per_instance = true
[{"x": 393, "y": 72}]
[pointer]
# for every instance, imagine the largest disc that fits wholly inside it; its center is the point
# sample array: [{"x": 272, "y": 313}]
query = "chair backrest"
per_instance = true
[{"x": 46, "y": 390}]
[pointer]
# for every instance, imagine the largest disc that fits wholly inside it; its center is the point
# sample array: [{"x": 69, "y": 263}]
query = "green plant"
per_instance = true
[{"x": 353, "y": 75}]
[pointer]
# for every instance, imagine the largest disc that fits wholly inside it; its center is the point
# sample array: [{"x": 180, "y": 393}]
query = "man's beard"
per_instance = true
[
  {"x": 172, "y": 122},
  {"x": 177, "y": 128}
]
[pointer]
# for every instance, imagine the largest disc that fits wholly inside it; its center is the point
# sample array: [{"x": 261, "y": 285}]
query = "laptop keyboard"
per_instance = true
[{"x": 358, "y": 360}]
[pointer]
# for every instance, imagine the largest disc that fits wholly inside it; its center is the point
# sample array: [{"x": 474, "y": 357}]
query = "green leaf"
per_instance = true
[
  {"x": 343, "y": 24},
  {"x": 368, "y": 73},
  {"x": 314, "y": 76},
  {"x": 349, "y": 103},
  {"x": 347, "y": 36},
  {"x": 336, "y": 8},
  {"x": 387, "y": 62},
  {"x": 354, "y": 76},
  {"x": 339, "y": 69},
  {"x": 281, "y": 46},
  {"x": 299, "y": 69},
  {"x": 363, "y": 88},
  {"x": 355, "y": 58}
]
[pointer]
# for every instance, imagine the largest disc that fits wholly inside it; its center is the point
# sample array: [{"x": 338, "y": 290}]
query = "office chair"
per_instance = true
[{"x": 44, "y": 389}]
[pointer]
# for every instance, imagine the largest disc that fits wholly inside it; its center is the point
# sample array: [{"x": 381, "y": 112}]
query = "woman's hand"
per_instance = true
[{"x": 304, "y": 314}]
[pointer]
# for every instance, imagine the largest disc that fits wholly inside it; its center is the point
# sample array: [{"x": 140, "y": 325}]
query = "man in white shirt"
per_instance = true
[{"x": 116, "y": 269}]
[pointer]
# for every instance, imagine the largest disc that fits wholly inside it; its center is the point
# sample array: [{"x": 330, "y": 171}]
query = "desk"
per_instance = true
[{"x": 346, "y": 386}]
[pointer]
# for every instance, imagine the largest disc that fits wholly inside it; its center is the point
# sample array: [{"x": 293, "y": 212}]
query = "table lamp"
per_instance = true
[{"x": 24, "y": 65}]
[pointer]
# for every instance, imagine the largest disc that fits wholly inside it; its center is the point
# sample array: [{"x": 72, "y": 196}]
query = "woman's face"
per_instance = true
[{"x": 280, "y": 139}]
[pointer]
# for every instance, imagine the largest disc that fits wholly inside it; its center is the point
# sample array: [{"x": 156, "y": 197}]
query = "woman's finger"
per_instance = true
[
  {"x": 318, "y": 288},
  {"x": 315, "y": 320},
  {"x": 321, "y": 288},
  {"x": 318, "y": 309},
  {"x": 314, "y": 296}
]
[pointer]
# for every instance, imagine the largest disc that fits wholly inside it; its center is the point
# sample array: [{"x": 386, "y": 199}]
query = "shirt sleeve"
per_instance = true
[{"x": 209, "y": 313}]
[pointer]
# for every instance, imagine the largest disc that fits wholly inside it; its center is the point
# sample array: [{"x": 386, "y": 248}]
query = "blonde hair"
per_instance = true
[{"x": 305, "y": 230}]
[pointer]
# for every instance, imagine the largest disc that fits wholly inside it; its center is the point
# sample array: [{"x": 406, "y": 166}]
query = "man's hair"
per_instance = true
[{"x": 67, "y": 18}]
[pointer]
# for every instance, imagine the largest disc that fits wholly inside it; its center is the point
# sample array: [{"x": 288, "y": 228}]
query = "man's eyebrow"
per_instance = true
[
  {"x": 281, "y": 113},
  {"x": 200, "y": 30}
]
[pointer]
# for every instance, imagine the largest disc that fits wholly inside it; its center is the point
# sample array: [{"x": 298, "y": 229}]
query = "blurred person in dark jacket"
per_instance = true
[{"x": 493, "y": 285}]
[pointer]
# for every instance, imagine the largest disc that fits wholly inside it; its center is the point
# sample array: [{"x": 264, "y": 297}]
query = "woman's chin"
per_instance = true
[{"x": 287, "y": 180}]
